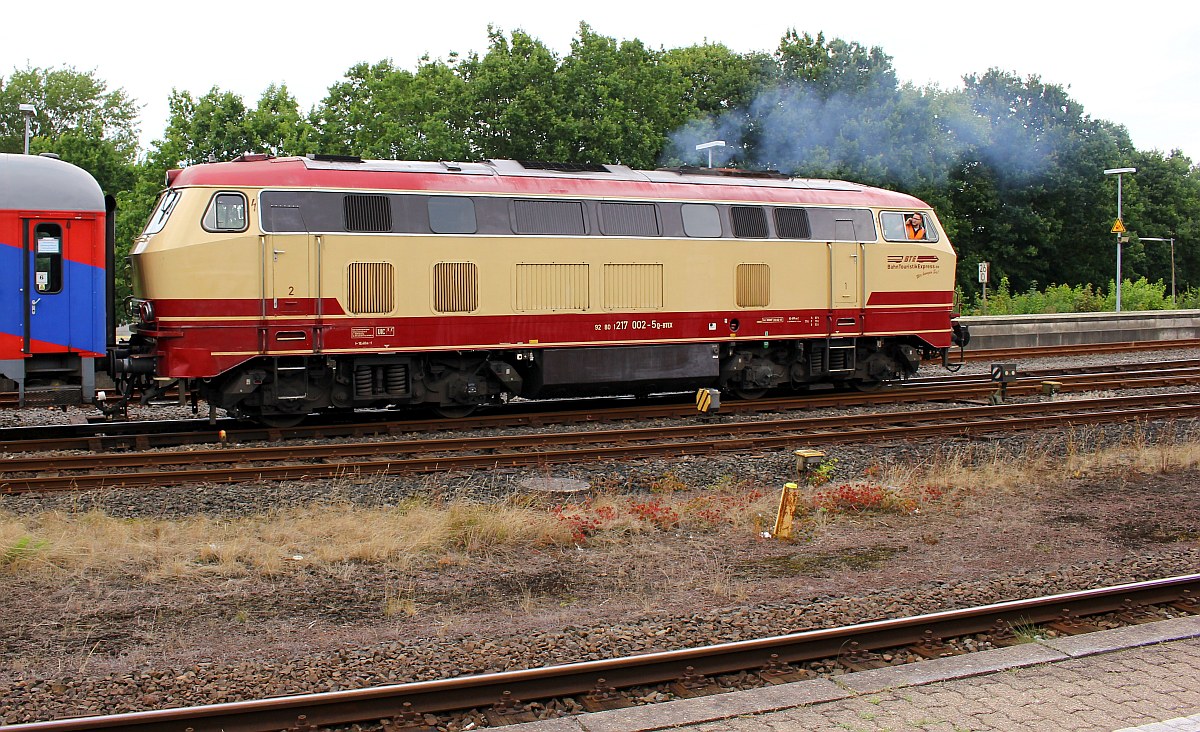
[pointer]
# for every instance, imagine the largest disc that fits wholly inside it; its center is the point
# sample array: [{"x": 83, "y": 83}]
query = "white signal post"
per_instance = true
[
  {"x": 1119, "y": 227},
  {"x": 983, "y": 280}
]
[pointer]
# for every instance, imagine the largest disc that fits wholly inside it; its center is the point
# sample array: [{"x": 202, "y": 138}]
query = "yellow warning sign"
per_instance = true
[{"x": 1118, "y": 228}]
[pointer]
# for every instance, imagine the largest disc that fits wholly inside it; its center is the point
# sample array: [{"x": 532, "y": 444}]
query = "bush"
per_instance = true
[{"x": 1135, "y": 295}]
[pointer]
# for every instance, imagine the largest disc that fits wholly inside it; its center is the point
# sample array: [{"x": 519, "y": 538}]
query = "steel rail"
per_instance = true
[
  {"x": 688, "y": 440},
  {"x": 390, "y": 702}
]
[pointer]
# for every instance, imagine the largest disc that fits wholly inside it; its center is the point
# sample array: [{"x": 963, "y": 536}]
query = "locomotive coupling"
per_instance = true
[{"x": 960, "y": 335}]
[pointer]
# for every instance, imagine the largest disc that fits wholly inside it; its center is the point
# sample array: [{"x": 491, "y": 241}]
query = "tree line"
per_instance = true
[{"x": 1013, "y": 165}]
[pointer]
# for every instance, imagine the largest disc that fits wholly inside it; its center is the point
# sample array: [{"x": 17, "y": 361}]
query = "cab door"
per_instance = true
[
  {"x": 291, "y": 302},
  {"x": 46, "y": 287},
  {"x": 845, "y": 281}
]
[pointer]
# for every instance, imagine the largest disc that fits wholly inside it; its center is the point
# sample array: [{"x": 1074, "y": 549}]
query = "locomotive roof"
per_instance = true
[
  {"x": 511, "y": 176},
  {"x": 40, "y": 183}
]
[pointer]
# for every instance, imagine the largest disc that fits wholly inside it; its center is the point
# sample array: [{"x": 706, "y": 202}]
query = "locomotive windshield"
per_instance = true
[{"x": 162, "y": 211}]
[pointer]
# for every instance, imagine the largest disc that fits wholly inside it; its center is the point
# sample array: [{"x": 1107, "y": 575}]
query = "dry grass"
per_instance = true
[
  {"x": 966, "y": 472},
  {"x": 268, "y": 544},
  {"x": 457, "y": 532}
]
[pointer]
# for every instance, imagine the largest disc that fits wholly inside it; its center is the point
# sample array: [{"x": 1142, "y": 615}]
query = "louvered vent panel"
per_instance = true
[
  {"x": 455, "y": 287},
  {"x": 753, "y": 285},
  {"x": 367, "y": 212},
  {"x": 628, "y": 219},
  {"x": 551, "y": 287},
  {"x": 370, "y": 288},
  {"x": 549, "y": 217},
  {"x": 633, "y": 286},
  {"x": 792, "y": 223},
  {"x": 749, "y": 222}
]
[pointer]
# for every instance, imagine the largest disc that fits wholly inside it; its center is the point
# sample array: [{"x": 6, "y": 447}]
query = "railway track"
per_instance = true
[
  {"x": 148, "y": 435},
  {"x": 690, "y": 672},
  {"x": 239, "y": 464}
]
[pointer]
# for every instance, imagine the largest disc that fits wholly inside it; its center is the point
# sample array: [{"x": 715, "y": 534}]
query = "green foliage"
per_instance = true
[
  {"x": 1137, "y": 294},
  {"x": 21, "y": 550}
]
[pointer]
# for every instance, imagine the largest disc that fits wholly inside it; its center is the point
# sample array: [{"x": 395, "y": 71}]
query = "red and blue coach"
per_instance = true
[{"x": 56, "y": 234}]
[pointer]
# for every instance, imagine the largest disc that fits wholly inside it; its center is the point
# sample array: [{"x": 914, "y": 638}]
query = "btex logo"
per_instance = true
[{"x": 912, "y": 258}]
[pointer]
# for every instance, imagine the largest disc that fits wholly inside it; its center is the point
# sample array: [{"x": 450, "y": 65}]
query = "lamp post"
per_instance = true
[
  {"x": 1172, "y": 240},
  {"x": 28, "y": 110},
  {"x": 709, "y": 147},
  {"x": 1119, "y": 227}
]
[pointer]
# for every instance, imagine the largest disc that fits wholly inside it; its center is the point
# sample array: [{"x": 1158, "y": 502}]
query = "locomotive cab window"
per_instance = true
[
  {"x": 907, "y": 226},
  {"x": 47, "y": 259},
  {"x": 162, "y": 211},
  {"x": 226, "y": 212}
]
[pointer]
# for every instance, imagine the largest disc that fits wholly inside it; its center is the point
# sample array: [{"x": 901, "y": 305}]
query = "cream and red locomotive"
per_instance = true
[{"x": 276, "y": 287}]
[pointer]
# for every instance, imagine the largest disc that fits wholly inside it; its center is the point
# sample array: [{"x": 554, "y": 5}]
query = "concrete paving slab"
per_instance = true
[
  {"x": 710, "y": 708},
  {"x": 951, "y": 667},
  {"x": 1128, "y": 637}
]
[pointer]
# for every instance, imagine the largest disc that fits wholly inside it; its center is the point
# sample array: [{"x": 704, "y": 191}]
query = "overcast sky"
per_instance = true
[{"x": 1133, "y": 63}]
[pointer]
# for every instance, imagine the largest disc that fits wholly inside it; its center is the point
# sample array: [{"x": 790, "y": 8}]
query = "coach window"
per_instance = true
[
  {"x": 226, "y": 212},
  {"x": 907, "y": 226},
  {"x": 452, "y": 215},
  {"x": 47, "y": 261},
  {"x": 701, "y": 220}
]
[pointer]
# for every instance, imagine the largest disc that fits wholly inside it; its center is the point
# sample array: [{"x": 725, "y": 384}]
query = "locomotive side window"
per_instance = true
[
  {"x": 701, "y": 220},
  {"x": 907, "y": 226},
  {"x": 629, "y": 219},
  {"x": 549, "y": 217},
  {"x": 842, "y": 224},
  {"x": 749, "y": 222},
  {"x": 47, "y": 260},
  {"x": 452, "y": 215},
  {"x": 792, "y": 223},
  {"x": 226, "y": 212},
  {"x": 162, "y": 211}
]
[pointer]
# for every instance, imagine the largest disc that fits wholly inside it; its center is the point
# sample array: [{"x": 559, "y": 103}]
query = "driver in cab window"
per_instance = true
[{"x": 914, "y": 226}]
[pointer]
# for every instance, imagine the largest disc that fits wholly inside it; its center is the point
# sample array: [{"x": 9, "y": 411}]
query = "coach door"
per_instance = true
[
  {"x": 291, "y": 297},
  {"x": 845, "y": 281},
  {"x": 47, "y": 292}
]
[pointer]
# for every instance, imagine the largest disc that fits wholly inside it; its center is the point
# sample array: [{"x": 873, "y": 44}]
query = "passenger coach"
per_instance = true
[
  {"x": 274, "y": 287},
  {"x": 55, "y": 255}
]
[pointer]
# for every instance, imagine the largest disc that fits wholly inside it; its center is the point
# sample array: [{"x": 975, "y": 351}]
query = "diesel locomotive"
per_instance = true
[{"x": 276, "y": 287}]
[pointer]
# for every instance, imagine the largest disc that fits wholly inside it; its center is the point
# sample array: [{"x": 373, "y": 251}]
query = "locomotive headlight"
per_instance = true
[{"x": 146, "y": 311}]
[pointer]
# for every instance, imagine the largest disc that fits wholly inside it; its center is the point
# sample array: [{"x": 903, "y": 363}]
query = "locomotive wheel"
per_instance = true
[
  {"x": 869, "y": 386},
  {"x": 279, "y": 420},
  {"x": 456, "y": 412},
  {"x": 742, "y": 392}
]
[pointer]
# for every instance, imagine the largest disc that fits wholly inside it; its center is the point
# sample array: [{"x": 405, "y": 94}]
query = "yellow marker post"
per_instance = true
[{"x": 787, "y": 511}]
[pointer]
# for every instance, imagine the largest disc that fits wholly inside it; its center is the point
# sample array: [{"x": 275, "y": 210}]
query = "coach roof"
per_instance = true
[{"x": 41, "y": 183}]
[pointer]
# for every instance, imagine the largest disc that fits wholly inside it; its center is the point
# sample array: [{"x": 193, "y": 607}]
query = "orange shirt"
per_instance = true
[{"x": 917, "y": 232}]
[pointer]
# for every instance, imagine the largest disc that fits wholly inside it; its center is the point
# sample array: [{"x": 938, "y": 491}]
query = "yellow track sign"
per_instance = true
[{"x": 1118, "y": 228}]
